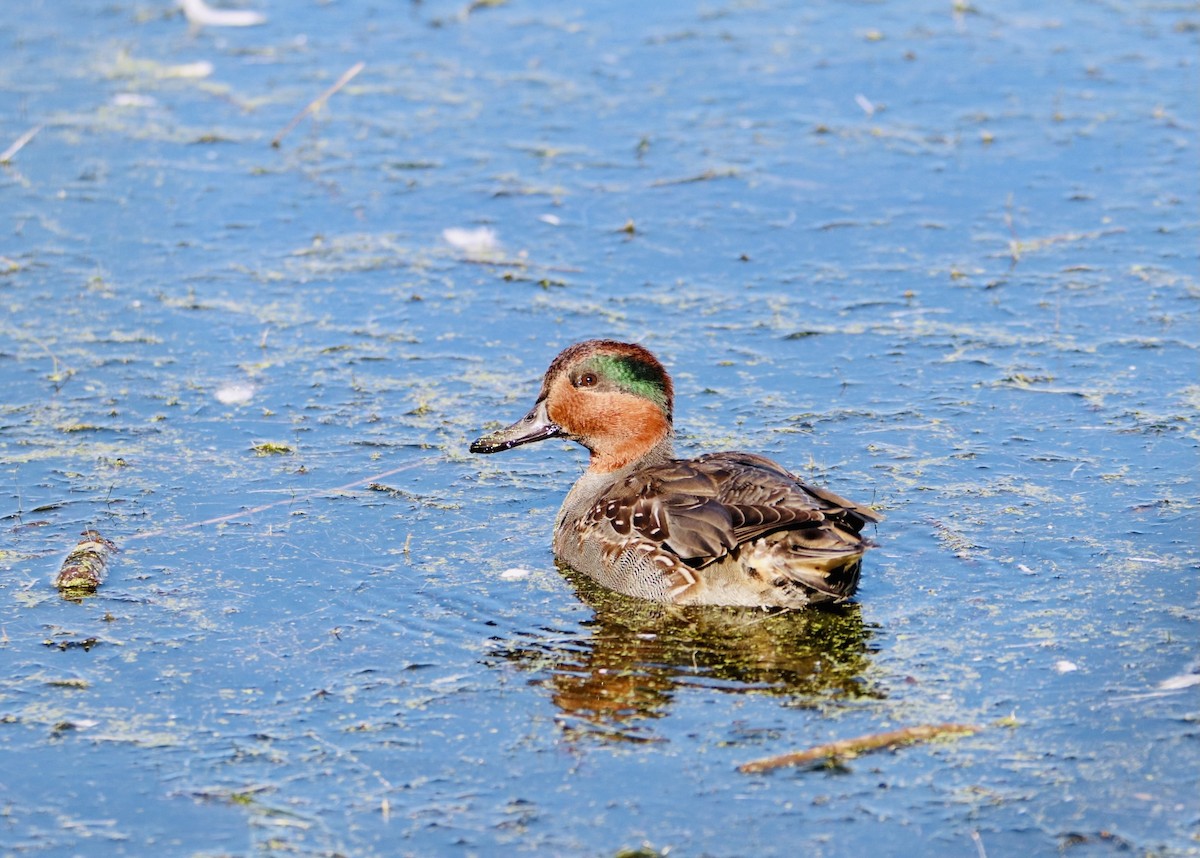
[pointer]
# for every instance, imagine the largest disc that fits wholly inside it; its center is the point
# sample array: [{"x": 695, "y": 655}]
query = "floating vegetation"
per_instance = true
[
  {"x": 83, "y": 570},
  {"x": 70, "y": 682},
  {"x": 272, "y": 448}
]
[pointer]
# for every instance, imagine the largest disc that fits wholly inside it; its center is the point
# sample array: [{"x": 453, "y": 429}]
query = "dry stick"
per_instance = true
[
  {"x": 467, "y": 259},
  {"x": 861, "y": 744},
  {"x": 220, "y": 519},
  {"x": 316, "y": 103},
  {"x": 19, "y": 144}
]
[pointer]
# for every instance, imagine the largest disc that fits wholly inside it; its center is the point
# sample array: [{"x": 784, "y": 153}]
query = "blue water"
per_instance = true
[{"x": 942, "y": 262}]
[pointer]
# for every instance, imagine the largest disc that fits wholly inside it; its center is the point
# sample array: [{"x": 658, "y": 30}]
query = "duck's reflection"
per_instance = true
[{"x": 628, "y": 662}]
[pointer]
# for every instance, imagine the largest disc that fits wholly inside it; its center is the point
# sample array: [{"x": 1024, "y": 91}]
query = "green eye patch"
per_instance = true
[{"x": 633, "y": 376}]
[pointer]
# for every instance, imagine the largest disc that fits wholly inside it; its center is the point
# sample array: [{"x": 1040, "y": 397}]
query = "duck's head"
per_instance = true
[{"x": 613, "y": 398}]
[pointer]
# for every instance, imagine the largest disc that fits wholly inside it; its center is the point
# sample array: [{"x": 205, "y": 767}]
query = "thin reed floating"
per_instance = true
[
  {"x": 316, "y": 104},
  {"x": 19, "y": 144},
  {"x": 846, "y": 748}
]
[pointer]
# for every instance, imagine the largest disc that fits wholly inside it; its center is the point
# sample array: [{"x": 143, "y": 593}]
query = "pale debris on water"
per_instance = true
[
  {"x": 127, "y": 66},
  {"x": 515, "y": 574},
  {"x": 133, "y": 99},
  {"x": 200, "y": 14},
  {"x": 1064, "y": 666},
  {"x": 473, "y": 242},
  {"x": 1176, "y": 683},
  {"x": 1183, "y": 680},
  {"x": 188, "y": 71},
  {"x": 237, "y": 393}
]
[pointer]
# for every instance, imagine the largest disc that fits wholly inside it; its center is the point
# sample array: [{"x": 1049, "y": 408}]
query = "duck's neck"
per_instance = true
[
  {"x": 633, "y": 451},
  {"x": 619, "y": 462}
]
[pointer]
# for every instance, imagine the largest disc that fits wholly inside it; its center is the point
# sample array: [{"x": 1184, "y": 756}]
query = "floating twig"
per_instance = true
[
  {"x": 707, "y": 176},
  {"x": 19, "y": 144},
  {"x": 852, "y": 747},
  {"x": 475, "y": 5},
  {"x": 83, "y": 570},
  {"x": 316, "y": 104}
]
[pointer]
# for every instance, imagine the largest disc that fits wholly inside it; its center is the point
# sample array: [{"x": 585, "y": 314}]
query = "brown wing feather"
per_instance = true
[{"x": 701, "y": 509}]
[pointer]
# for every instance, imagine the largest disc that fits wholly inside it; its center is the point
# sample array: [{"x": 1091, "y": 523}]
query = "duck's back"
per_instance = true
[{"x": 724, "y": 528}]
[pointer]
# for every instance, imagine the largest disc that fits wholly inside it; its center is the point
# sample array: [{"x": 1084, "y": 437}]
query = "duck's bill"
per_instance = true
[{"x": 534, "y": 426}]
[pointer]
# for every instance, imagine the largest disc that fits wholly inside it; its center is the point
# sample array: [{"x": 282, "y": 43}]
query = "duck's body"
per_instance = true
[{"x": 720, "y": 529}]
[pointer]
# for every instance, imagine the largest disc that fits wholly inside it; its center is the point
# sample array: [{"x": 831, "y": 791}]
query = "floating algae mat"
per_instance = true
[{"x": 82, "y": 572}]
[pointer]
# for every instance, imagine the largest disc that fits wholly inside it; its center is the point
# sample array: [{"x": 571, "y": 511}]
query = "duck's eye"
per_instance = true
[{"x": 588, "y": 379}]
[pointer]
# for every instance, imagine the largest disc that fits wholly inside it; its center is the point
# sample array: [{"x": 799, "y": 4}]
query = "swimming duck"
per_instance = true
[{"x": 720, "y": 529}]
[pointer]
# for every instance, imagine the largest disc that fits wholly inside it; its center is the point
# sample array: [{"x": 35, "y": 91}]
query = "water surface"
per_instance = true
[{"x": 939, "y": 258}]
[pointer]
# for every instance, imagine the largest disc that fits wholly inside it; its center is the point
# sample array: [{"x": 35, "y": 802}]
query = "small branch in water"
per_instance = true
[
  {"x": 859, "y": 745},
  {"x": 19, "y": 144},
  {"x": 316, "y": 104},
  {"x": 475, "y": 5},
  {"x": 707, "y": 176}
]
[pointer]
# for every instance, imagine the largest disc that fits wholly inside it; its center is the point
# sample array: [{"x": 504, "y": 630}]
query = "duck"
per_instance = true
[{"x": 727, "y": 528}]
